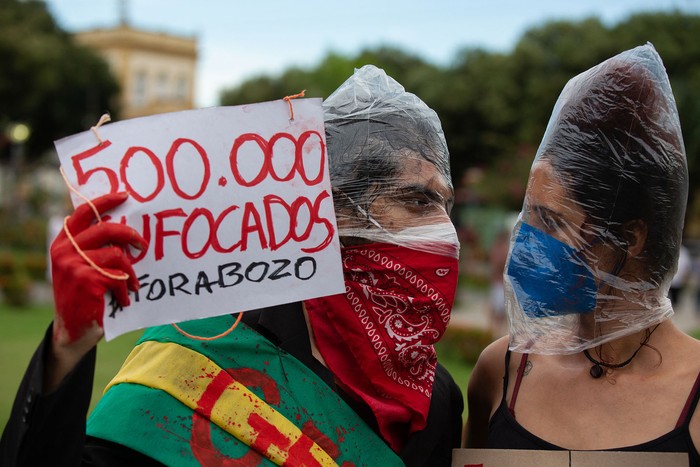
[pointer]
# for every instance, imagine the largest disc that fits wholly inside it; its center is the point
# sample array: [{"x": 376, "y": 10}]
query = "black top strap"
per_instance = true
[{"x": 505, "y": 375}]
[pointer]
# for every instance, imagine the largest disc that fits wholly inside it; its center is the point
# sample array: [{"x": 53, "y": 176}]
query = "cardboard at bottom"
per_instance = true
[{"x": 523, "y": 458}]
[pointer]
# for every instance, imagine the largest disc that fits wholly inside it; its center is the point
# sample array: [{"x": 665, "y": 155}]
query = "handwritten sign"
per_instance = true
[{"x": 235, "y": 203}]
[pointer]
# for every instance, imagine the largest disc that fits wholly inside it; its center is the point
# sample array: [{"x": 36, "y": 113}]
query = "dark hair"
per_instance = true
[
  {"x": 365, "y": 156},
  {"x": 617, "y": 147},
  {"x": 371, "y": 122}
]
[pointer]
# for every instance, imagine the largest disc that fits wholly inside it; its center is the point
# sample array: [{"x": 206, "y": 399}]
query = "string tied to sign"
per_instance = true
[
  {"x": 288, "y": 99},
  {"x": 103, "y": 119}
]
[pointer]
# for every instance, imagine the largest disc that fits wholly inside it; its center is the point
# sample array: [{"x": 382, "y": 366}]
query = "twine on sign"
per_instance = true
[
  {"x": 80, "y": 195},
  {"x": 121, "y": 277},
  {"x": 103, "y": 119},
  {"x": 289, "y": 102},
  {"x": 218, "y": 336}
]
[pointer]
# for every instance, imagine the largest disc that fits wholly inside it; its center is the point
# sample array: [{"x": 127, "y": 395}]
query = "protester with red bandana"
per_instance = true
[{"x": 349, "y": 379}]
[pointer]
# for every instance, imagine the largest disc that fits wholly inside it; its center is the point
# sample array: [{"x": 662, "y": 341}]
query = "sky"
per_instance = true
[{"x": 241, "y": 39}]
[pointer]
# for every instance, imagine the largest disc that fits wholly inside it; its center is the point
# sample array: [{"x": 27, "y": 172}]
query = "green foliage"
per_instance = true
[
  {"x": 461, "y": 372},
  {"x": 15, "y": 282},
  {"x": 35, "y": 264},
  {"x": 494, "y": 107},
  {"x": 463, "y": 343},
  {"x": 22, "y": 253},
  {"x": 18, "y": 271},
  {"x": 16, "y": 289},
  {"x": 322, "y": 80},
  {"x": 28, "y": 233},
  {"x": 474, "y": 101},
  {"x": 47, "y": 82}
]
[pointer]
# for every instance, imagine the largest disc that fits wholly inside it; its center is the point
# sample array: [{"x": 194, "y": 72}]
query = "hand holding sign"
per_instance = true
[
  {"x": 234, "y": 203},
  {"x": 79, "y": 287}
]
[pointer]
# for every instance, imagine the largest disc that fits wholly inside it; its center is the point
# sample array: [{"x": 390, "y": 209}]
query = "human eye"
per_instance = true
[
  {"x": 546, "y": 220},
  {"x": 419, "y": 203}
]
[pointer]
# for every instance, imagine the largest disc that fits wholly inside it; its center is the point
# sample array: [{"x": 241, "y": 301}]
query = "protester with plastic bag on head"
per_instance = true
[
  {"x": 593, "y": 361},
  {"x": 348, "y": 379},
  {"x": 392, "y": 194}
]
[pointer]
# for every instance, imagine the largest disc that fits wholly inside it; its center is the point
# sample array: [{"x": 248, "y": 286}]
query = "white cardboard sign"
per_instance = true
[{"x": 235, "y": 203}]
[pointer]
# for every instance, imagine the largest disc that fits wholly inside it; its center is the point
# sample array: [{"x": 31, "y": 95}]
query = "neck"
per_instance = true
[
  {"x": 620, "y": 350},
  {"x": 614, "y": 313}
]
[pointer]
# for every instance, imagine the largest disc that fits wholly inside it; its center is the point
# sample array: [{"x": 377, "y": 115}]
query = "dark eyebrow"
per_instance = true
[
  {"x": 429, "y": 193},
  {"x": 540, "y": 210}
]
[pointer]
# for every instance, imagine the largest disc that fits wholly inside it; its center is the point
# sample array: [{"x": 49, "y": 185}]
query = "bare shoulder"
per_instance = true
[
  {"x": 487, "y": 376},
  {"x": 694, "y": 343},
  {"x": 686, "y": 346},
  {"x": 688, "y": 349},
  {"x": 484, "y": 391},
  {"x": 686, "y": 354}
]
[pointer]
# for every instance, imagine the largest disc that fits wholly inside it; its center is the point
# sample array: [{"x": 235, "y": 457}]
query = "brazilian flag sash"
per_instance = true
[{"x": 237, "y": 400}]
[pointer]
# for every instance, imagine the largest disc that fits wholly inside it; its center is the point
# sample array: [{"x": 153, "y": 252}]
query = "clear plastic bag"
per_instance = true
[
  {"x": 389, "y": 165},
  {"x": 597, "y": 241}
]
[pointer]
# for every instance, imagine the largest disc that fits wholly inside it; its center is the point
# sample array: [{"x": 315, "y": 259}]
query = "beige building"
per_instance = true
[{"x": 156, "y": 71}]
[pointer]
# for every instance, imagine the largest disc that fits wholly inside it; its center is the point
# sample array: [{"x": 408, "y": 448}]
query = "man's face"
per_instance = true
[{"x": 418, "y": 195}]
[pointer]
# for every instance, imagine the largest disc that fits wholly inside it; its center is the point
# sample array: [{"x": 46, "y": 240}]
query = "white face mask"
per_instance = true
[{"x": 440, "y": 238}]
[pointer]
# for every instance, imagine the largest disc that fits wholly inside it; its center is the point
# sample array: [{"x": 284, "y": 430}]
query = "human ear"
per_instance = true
[{"x": 635, "y": 234}]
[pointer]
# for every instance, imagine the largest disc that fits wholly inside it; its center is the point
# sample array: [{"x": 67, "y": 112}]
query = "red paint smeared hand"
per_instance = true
[{"x": 79, "y": 288}]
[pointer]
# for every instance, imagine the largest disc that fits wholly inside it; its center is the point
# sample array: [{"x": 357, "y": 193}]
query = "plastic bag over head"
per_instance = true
[
  {"x": 597, "y": 241},
  {"x": 389, "y": 165}
]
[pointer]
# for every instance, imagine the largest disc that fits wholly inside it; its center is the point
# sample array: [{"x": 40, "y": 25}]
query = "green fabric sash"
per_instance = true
[{"x": 236, "y": 401}]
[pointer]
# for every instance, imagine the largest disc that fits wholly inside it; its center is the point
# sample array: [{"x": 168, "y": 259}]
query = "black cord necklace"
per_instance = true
[{"x": 596, "y": 370}]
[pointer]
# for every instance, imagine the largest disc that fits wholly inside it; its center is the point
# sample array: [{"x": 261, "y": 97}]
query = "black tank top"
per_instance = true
[{"x": 506, "y": 433}]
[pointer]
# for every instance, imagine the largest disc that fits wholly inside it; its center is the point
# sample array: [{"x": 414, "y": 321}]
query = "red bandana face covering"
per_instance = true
[{"x": 378, "y": 337}]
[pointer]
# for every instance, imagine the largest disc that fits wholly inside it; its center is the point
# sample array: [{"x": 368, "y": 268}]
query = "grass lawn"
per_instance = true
[
  {"x": 22, "y": 329},
  {"x": 20, "y": 333}
]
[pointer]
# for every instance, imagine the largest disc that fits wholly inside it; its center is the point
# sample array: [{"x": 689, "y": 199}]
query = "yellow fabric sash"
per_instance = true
[{"x": 186, "y": 375}]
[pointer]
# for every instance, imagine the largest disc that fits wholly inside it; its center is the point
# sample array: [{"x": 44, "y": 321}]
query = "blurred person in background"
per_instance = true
[
  {"x": 498, "y": 253},
  {"x": 593, "y": 361},
  {"x": 326, "y": 387}
]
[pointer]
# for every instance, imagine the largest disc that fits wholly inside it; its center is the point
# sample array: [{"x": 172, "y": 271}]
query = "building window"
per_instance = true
[
  {"x": 139, "y": 94},
  {"x": 162, "y": 86},
  {"x": 181, "y": 88}
]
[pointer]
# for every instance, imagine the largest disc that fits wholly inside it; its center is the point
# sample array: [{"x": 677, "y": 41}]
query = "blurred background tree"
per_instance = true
[
  {"x": 48, "y": 83},
  {"x": 494, "y": 106},
  {"x": 49, "y": 88}
]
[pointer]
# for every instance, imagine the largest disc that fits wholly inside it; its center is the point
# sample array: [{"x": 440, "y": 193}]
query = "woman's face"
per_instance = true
[{"x": 549, "y": 208}]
